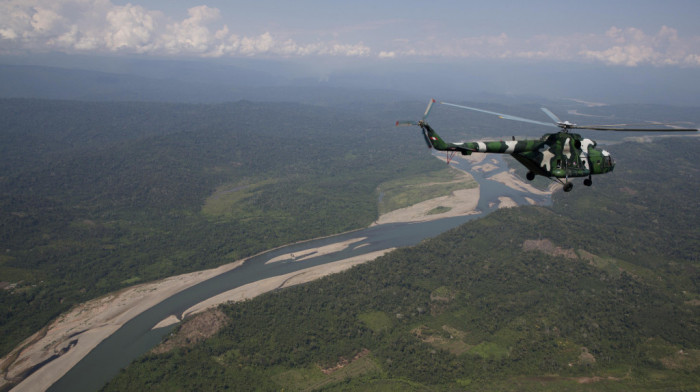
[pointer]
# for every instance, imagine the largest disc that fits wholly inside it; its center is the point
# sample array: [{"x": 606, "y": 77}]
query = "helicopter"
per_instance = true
[{"x": 556, "y": 156}]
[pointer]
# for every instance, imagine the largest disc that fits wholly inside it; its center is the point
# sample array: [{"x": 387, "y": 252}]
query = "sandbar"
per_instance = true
[
  {"x": 254, "y": 289},
  {"x": 509, "y": 179},
  {"x": 506, "y": 202},
  {"x": 460, "y": 202},
  {"x": 75, "y": 333},
  {"x": 78, "y": 331},
  {"x": 315, "y": 252}
]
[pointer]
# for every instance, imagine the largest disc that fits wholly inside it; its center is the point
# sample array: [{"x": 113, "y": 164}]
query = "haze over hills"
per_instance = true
[{"x": 128, "y": 78}]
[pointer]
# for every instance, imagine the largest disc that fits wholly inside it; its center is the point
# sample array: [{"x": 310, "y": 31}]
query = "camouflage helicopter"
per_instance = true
[{"x": 555, "y": 156}]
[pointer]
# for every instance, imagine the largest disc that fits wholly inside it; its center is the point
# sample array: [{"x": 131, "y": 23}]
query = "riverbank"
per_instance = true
[
  {"x": 53, "y": 351},
  {"x": 73, "y": 334},
  {"x": 461, "y": 202}
]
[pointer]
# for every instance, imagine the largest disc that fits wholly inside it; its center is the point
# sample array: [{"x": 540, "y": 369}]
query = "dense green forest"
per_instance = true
[
  {"x": 597, "y": 292},
  {"x": 98, "y": 196},
  {"x": 95, "y": 197}
]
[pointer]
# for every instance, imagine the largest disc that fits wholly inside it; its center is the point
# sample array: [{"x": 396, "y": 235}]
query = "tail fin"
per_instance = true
[{"x": 432, "y": 139}]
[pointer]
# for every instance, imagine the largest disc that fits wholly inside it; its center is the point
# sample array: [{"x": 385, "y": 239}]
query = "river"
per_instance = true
[{"x": 137, "y": 336}]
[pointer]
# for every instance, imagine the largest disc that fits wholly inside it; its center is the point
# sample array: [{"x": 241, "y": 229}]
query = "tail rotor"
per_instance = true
[{"x": 422, "y": 123}]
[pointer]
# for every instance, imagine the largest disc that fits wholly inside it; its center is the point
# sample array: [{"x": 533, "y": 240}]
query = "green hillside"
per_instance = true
[
  {"x": 598, "y": 292},
  {"x": 98, "y": 196}
]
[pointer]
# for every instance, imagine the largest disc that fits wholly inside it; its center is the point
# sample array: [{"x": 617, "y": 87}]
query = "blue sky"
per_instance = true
[{"x": 612, "y": 33}]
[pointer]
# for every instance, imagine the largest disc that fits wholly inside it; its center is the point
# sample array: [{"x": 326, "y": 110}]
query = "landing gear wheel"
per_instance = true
[
  {"x": 568, "y": 186},
  {"x": 587, "y": 182},
  {"x": 530, "y": 176}
]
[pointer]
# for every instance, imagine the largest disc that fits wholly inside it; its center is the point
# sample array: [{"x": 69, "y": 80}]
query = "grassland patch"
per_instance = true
[
  {"x": 490, "y": 350},
  {"x": 439, "y": 210},
  {"x": 443, "y": 294},
  {"x": 315, "y": 378},
  {"x": 13, "y": 274},
  {"x": 447, "y": 338},
  {"x": 376, "y": 321},
  {"x": 131, "y": 281},
  {"x": 229, "y": 200}
]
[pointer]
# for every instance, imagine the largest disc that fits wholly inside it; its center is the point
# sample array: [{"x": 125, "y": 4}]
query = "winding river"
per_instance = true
[{"x": 137, "y": 336}]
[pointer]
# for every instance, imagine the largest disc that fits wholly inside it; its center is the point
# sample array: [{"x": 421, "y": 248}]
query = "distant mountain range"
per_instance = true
[
  {"x": 214, "y": 80},
  {"x": 87, "y": 85}
]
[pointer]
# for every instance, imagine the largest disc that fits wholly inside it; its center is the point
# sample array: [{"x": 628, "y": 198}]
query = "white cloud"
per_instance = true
[
  {"x": 194, "y": 34},
  {"x": 629, "y": 47},
  {"x": 99, "y": 25},
  {"x": 629, "y": 55},
  {"x": 632, "y": 47},
  {"x": 45, "y": 20},
  {"x": 346, "y": 50},
  {"x": 130, "y": 27}
]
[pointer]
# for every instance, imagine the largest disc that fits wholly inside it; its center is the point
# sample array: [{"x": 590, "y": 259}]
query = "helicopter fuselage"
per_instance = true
[
  {"x": 555, "y": 155},
  {"x": 558, "y": 155}
]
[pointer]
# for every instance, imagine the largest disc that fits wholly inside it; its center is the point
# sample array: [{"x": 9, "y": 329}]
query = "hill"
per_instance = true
[
  {"x": 597, "y": 292},
  {"x": 153, "y": 81},
  {"x": 95, "y": 197}
]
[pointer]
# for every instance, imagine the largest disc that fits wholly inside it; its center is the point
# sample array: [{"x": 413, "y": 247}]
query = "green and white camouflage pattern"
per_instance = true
[
  {"x": 558, "y": 155},
  {"x": 555, "y": 155}
]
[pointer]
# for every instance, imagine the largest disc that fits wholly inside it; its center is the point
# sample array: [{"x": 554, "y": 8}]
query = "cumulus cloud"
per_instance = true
[
  {"x": 99, "y": 25},
  {"x": 130, "y": 27},
  {"x": 632, "y": 47},
  {"x": 629, "y": 47}
]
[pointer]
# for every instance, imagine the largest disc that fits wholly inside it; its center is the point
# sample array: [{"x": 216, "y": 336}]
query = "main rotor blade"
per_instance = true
[
  {"x": 501, "y": 115},
  {"x": 619, "y": 129},
  {"x": 427, "y": 111},
  {"x": 551, "y": 115}
]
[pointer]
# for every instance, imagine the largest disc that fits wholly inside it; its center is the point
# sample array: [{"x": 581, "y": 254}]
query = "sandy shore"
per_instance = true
[
  {"x": 77, "y": 332},
  {"x": 461, "y": 202},
  {"x": 509, "y": 179},
  {"x": 277, "y": 282},
  {"x": 506, "y": 202},
  {"x": 315, "y": 252}
]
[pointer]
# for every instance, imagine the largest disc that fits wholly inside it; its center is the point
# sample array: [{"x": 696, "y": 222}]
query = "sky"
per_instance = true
[{"x": 610, "y": 33}]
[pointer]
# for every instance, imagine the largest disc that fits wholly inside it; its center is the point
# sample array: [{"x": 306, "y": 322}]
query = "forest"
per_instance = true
[
  {"x": 600, "y": 287},
  {"x": 99, "y": 196},
  {"x": 597, "y": 292}
]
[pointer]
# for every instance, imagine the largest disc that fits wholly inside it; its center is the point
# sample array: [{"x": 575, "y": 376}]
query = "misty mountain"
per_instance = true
[
  {"x": 162, "y": 81},
  {"x": 317, "y": 81}
]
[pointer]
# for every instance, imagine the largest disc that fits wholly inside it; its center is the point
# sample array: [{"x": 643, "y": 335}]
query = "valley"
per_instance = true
[{"x": 113, "y": 215}]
